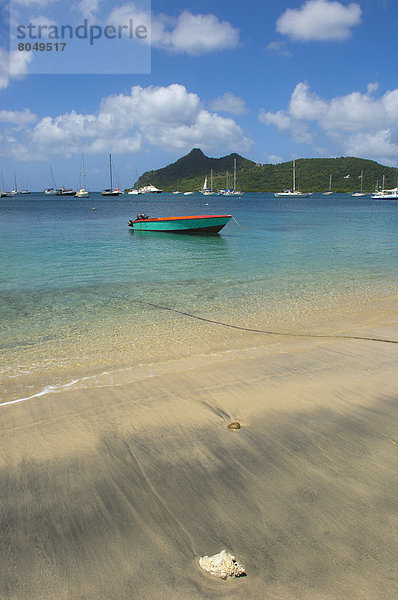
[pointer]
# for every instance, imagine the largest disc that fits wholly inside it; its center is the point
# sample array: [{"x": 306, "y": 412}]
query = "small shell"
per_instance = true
[{"x": 234, "y": 425}]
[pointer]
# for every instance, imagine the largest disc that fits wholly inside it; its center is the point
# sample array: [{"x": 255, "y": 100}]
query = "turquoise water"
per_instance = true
[{"x": 76, "y": 282}]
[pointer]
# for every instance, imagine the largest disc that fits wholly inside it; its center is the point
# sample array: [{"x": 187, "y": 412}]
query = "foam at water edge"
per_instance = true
[{"x": 141, "y": 372}]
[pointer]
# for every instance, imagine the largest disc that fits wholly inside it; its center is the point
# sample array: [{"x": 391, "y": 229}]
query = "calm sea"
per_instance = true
[{"x": 77, "y": 286}]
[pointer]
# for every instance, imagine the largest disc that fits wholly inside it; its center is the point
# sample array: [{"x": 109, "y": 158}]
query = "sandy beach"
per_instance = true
[{"x": 115, "y": 492}]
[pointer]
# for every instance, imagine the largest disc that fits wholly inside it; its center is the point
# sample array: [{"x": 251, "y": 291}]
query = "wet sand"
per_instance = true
[{"x": 115, "y": 493}]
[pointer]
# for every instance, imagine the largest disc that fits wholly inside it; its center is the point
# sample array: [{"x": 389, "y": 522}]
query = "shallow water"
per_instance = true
[{"x": 78, "y": 287}]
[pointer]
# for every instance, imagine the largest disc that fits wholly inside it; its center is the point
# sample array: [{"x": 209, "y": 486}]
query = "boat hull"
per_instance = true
[
  {"x": 197, "y": 224},
  {"x": 292, "y": 194},
  {"x": 386, "y": 194}
]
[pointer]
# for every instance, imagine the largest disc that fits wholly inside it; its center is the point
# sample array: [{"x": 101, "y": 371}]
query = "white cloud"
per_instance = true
[
  {"x": 306, "y": 105},
  {"x": 319, "y": 20},
  {"x": 88, "y": 9},
  {"x": 379, "y": 144},
  {"x": 228, "y": 102},
  {"x": 287, "y": 124},
  {"x": 33, "y": 3},
  {"x": 281, "y": 119},
  {"x": 193, "y": 34},
  {"x": 43, "y": 21},
  {"x": 163, "y": 117},
  {"x": 17, "y": 117},
  {"x": 13, "y": 65},
  {"x": 274, "y": 159},
  {"x": 126, "y": 13},
  {"x": 278, "y": 49},
  {"x": 372, "y": 87},
  {"x": 357, "y": 123},
  {"x": 196, "y": 34}
]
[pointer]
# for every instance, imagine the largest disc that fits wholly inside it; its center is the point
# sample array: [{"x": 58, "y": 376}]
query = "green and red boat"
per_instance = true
[{"x": 190, "y": 224}]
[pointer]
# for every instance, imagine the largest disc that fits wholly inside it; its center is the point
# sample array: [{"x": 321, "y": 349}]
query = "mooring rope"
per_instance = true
[
  {"x": 244, "y": 229},
  {"x": 284, "y": 333}
]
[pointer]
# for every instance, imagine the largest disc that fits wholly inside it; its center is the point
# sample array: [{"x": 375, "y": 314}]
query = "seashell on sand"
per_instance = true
[{"x": 222, "y": 565}]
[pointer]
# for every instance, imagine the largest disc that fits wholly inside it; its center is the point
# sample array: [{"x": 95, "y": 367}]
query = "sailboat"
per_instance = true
[
  {"x": 15, "y": 190},
  {"x": 52, "y": 190},
  {"x": 83, "y": 191},
  {"x": 384, "y": 194},
  {"x": 110, "y": 191},
  {"x": 292, "y": 193},
  {"x": 63, "y": 191},
  {"x": 221, "y": 192},
  {"x": 233, "y": 191},
  {"x": 361, "y": 193},
  {"x": 4, "y": 194},
  {"x": 25, "y": 189},
  {"x": 205, "y": 190},
  {"x": 134, "y": 190},
  {"x": 329, "y": 191}
]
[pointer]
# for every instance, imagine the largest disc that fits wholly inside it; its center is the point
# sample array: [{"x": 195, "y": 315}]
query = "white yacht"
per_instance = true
[
  {"x": 329, "y": 191},
  {"x": 52, "y": 189},
  {"x": 233, "y": 191},
  {"x": 205, "y": 190},
  {"x": 383, "y": 194},
  {"x": 149, "y": 189},
  {"x": 360, "y": 193},
  {"x": 386, "y": 194},
  {"x": 111, "y": 191},
  {"x": 292, "y": 193},
  {"x": 63, "y": 191},
  {"x": 3, "y": 193},
  {"x": 83, "y": 191}
]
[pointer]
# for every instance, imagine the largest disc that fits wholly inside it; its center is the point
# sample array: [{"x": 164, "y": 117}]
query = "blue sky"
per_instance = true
[{"x": 271, "y": 81}]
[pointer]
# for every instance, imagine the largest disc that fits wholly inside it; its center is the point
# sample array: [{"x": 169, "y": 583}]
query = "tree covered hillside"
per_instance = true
[{"x": 312, "y": 174}]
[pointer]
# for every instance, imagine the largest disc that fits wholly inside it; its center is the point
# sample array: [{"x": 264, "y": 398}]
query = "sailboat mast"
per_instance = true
[
  {"x": 294, "y": 176},
  {"x": 53, "y": 182},
  {"x": 84, "y": 173},
  {"x": 234, "y": 173},
  {"x": 211, "y": 179},
  {"x": 110, "y": 169}
]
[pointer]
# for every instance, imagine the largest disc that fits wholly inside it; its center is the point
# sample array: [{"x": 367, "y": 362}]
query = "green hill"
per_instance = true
[{"x": 312, "y": 174}]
